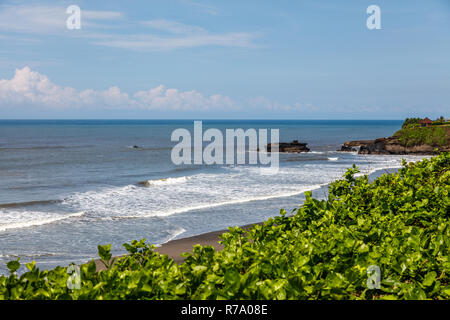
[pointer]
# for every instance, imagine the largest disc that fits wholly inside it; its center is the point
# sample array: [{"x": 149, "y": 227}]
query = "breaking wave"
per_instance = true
[
  {"x": 28, "y": 203},
  {"x": 165, "y": 181},
  {"x": 19, "y": 220},
  {"x": 175, "y": 233}
]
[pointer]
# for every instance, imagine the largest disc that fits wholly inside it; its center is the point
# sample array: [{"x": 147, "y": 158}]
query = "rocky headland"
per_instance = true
[
  {"x": 390, "y": 145},
  {"x": 411, "y": 139}
]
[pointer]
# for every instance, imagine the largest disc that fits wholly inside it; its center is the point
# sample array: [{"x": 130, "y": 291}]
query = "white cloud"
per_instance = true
[
  {"x": 102, "y": 28},
  {"x": 172, "y": 26},
  {"x": 203, "y": 7},
  {"x": 32, "y": 19},
  {"x": 274, "y": 106},
  {"x": 31, "y": 89},
  {"x": 101, "y": 15},
  {"x": 162, "y": 98},
  {"x": 28, "y": 87},
  {"x": 154, "y": 43}
]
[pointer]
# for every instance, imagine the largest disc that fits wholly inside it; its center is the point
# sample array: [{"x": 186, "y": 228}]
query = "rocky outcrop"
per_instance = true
[
  {"x": 347, "y": 149},
  {"x": 353, "y": 146},
  {"x": 391, "y": 145},
  {"x": 291, "y": 147}
]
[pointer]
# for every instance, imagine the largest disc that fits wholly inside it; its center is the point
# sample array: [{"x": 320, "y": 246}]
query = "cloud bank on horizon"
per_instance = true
[
  {"x": 29, "y": 90},
  {"x": 205, "y": 59},
  {"x": 34, "y": 90}
]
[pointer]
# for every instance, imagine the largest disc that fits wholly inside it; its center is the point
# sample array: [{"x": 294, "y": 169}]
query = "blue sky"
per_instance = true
[{"x": 225, "y": 59}]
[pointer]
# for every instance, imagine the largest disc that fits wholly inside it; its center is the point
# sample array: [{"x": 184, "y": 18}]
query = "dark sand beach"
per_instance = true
[{"x": 175, "y": 248}]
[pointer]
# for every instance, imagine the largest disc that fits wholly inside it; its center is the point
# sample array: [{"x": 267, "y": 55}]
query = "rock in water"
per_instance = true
[
  {"x": 353, "y": 146},
  {"x": 291, "y": 147}
]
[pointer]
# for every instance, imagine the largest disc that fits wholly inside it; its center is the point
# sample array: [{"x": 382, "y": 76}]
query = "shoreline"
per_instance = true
[{"x": 174, "y": 248}]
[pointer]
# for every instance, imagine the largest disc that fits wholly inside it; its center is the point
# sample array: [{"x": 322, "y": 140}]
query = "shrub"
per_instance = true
[
  {"x": 411, "y": 121},
  {"x": 412, "y": 136}
]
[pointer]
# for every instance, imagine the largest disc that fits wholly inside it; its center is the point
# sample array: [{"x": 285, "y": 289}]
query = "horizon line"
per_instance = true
[{"x": 188, "y": 119}]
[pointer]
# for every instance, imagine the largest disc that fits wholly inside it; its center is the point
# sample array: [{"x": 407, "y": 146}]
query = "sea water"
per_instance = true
[{"x": 67, "y": 186}]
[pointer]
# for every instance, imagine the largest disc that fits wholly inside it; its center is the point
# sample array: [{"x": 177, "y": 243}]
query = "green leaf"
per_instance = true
[
  {"x": 30, "y": 266},
  {"x": 232, "y": 279},
  {"x": 130, "y": 248},
  {"x": 13, "y": 266},
  {"x": 446, "y": 291},
  {"x": 198, "y": 270},
  {"x": 429, "y": 279},
  {"x": 104, "y": 252}
]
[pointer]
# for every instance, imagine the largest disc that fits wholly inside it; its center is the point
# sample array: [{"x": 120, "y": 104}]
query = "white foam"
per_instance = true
[
  {"x": 333, "y": 159},
  {"x": 200, "y": 191},
  {"x": 223, "y": 203},
  {"x": 175, "y": 234},
  {"x": 165, "y": 181},
  {"x": 26, "y": 219},
  {"x": 228, "y": 186},
  {"x": 31, "y": 255}
]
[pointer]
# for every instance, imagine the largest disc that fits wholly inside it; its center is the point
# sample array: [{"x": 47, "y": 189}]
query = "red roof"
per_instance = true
[{"x": 426, "y": 120}]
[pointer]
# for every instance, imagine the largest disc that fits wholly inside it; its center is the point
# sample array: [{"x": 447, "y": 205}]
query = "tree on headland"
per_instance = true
[{"x": 409, "y": 121}]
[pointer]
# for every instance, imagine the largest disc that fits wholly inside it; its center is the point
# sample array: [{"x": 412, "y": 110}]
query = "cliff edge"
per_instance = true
[{"x": 414, "y": 138}]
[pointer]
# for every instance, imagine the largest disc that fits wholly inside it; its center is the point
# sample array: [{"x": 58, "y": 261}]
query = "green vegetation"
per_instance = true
[
  {"x": 410, "y": 121},
  {"x": 412, "y": 134},
  {"x": 440, "y": 120},
  {"x": 399, "y": 222}
]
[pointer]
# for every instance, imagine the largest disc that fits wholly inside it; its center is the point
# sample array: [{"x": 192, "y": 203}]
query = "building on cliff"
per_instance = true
[{"x": 426, "y": 122}]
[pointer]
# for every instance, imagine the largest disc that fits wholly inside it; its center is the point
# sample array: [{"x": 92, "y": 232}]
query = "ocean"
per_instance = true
[{"x": 68, "y": 185}]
